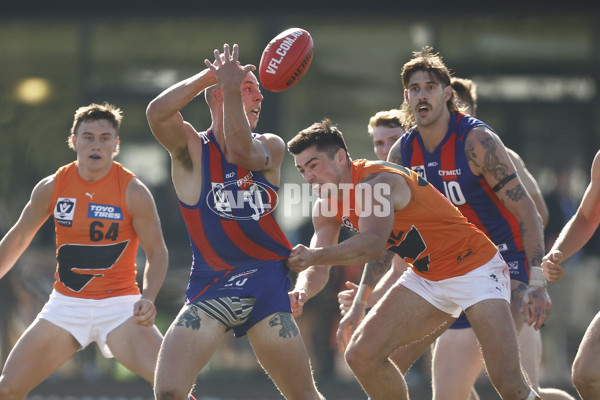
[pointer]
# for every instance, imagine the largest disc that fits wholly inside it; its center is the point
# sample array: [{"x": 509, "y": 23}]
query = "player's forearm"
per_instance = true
[
  {"x": 155, "y": 272},
  {"x": 533, "y": 240},
  {"x": 312, "y": 280},
  {"x": 176, "y": 97},
  {"x": 574, "y": 235},
  {"x": 12, "y": 247},
  {"x": 371, "y": 276},
  {"x": 388, "y": 280},
  {"x": 238, "y": 134},
  {"x": 359, "y": 249}
]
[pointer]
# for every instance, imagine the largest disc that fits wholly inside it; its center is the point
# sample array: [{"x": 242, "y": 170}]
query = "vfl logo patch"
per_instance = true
[
  {"x": 64, "y": 211},
  {"x": 241, "y": 200},
  {"x": 513, "y": 265},
  {"x": 103, "y": 211},
  {"x": 420, "y": 169}
]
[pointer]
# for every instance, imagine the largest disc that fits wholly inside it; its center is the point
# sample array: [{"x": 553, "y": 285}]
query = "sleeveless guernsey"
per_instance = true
[
  {"x": 429, "y": 233},
  {"x": 232, "y": 226},
  {"x": 447, "y": 168},
  {"x": 96, "y": 245}
]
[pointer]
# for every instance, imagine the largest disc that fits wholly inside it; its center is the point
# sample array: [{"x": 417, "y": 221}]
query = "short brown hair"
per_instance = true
[
  {"x": 95, "y": 112},
  {"x": 390, "y": 119},
  {"x": 466, "y": 90}
]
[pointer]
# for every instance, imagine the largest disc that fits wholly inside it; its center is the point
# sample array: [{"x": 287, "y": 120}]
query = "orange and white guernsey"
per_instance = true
[
  {"x": 96, "y": 245},
  {"x": 430, "y": 232}
]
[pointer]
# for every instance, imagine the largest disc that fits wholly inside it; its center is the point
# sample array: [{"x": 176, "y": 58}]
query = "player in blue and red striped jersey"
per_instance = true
[
  {"x": 226, "y": 179},
  {"x": 466, "y": 161}
]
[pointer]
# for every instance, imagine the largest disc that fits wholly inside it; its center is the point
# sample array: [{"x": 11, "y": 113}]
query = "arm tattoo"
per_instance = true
[
  {"x": 537, "y": 256},
  {"x": 395, "y": 156},
  {"x": 470, "y": 153},
  {"x": 491, "y": 163},
  {"x": 374, "y": 270},
  {"x": 517, "y": 193},
  {"x": 287, "y": 324}
]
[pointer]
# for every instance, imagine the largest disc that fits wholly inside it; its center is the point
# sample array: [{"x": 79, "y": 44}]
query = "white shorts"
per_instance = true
[
  {"x": 453, "y": 295},
  {"x": 88, "y": 320}
]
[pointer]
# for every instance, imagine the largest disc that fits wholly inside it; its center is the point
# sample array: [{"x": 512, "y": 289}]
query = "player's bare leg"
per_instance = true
[
  {"x": 41, "y": 351},
  {"x": 278, "y": 345},
  {"x": 493, "y": 324},
  {"x": 586, "y": 367},
  {"x": 384, "y": 330}
]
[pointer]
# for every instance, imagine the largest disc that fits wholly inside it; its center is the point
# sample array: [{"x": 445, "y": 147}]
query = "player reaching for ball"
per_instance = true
[
  {"x": 238, "y": 280},
  {"x": 101, "y": 212}
]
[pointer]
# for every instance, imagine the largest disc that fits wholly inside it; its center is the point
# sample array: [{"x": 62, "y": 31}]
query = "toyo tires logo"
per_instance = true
[{"x": 229, "y": 201}]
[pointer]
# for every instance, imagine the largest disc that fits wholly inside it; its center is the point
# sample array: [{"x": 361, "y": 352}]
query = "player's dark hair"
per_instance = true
[
  {"x": 432, "y": 63},
  {"x": 324, "y": 134}
]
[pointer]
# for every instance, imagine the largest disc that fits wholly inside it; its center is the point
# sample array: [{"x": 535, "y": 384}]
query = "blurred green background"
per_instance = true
[{"x": 537, "y": 72}]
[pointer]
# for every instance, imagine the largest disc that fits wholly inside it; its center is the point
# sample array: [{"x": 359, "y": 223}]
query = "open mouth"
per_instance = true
[{"x": 422, "y": 108}]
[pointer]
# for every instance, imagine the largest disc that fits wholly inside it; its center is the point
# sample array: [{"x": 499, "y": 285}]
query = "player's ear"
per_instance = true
[
  {"x": 447, "y": 92},
  {"x": 340, "y": 156},
  {"x": 406, "y": 95}
]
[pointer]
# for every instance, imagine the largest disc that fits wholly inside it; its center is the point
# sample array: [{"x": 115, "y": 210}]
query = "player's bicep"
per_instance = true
[
  {"x": 394, "y": 155},
  {"x": 37, "y": 210},
  {"x": 145, "y": 220},
  {"x": 488, "y": 158}
]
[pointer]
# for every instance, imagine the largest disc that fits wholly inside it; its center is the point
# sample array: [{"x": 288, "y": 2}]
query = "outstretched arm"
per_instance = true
[
  {"x": 579, "y": 229},
  {"x": 241, "y": 102},
  {"x": 33, "y": 216}
]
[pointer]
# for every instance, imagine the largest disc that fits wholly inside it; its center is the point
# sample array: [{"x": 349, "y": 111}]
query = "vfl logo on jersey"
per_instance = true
[
  {"x": 64, "y": 211},
  {"x": 513, "y": 265},
  {"x": 348, "y": 224},
  {"x": 241, "y": 201},
  {"x": 420, "y": 169},
  {"x": 103, "y": 211}
]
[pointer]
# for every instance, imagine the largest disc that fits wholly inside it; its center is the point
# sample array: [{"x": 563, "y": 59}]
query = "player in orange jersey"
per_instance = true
[
  {"x": 101, "y": 213},
  {"x": 454, "y": 266}
]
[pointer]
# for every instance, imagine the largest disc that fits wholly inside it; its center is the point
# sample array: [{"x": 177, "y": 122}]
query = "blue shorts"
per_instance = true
[
  {"x": 268, "y": 283},
  {"x": 518, "y": 271}
]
